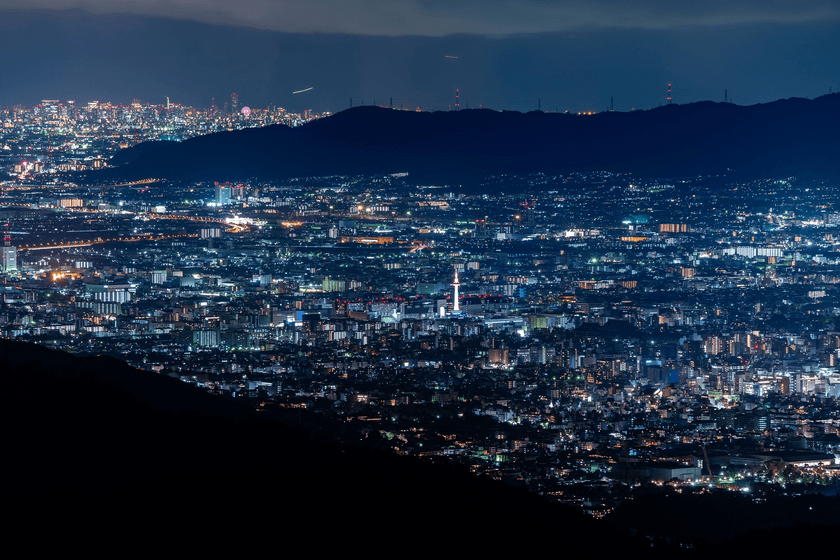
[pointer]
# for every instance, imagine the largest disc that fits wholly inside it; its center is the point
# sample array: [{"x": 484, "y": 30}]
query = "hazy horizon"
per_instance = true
[{"x": 81, "y": 55}]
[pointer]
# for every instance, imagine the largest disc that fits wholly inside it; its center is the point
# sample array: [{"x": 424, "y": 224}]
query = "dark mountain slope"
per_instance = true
[
  {"x": 99, "y": 457},
  {"x": 97, "y": 452},
  {"x": 788, "y": 137}
]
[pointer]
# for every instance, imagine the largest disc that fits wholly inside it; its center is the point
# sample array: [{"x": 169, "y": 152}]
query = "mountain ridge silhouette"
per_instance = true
[{"x": 791, "y": 137}]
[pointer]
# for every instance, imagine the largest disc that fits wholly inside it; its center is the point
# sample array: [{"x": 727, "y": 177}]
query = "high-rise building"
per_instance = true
[
  {"x": 49, "y": 108},
  {"x": 234, "y": 103},
  {"x": 9, "y": 258},
  {"x": 480, "y": 228},
  {"x": 530, "y": 217},
  {"x": 8, "y": 254},
  {"x": 222, "y": 194}
]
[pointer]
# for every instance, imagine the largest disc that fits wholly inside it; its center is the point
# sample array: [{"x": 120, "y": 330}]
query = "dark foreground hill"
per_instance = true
[
  {"x": 98, "y": 452},
  {"x": 100, "y": 457},
  {"x": 792, "y": 137}
]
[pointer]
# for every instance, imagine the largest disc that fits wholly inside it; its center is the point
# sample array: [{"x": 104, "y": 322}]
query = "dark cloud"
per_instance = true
[
  {"x": 77, "y": 55},
  {"x": 445, "y": 17}
]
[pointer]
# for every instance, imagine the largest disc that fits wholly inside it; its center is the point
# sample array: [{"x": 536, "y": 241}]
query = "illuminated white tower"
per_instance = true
[{"x": 455, "y": 284}]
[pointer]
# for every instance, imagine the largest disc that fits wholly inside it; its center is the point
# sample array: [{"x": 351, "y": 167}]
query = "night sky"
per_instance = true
[{"x": 566, "y": 55}]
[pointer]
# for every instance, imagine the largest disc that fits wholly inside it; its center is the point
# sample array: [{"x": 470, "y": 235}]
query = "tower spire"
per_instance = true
[{"x": 456, "y": 284}]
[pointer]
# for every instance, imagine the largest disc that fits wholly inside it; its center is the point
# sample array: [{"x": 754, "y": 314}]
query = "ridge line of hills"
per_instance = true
[{"x": 791, "y": 137}]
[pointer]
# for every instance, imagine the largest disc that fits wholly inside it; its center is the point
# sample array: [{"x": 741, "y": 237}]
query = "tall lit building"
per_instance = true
[
  {"x": 9, "y": 258},
  {"x": 8, "y": 254},
  {"x": 222, "y": 194},
  {"x": 234, "y": 103},
  {"x": 49, "y": 108}
]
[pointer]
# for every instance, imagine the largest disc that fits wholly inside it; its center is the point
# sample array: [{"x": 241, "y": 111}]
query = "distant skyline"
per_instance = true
[{"x": 571, "y": 55}]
